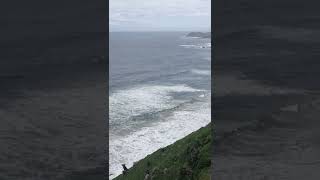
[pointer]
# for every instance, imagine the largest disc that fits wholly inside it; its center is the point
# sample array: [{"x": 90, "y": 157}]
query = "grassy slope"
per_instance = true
[{"x": 188, "y": 158}]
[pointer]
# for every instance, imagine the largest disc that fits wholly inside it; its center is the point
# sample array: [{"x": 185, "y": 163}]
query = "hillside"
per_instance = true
[{"x": 186, "y": 159}]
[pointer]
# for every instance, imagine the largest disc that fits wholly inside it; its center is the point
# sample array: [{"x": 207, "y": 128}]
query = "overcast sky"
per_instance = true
[{"x": 160, "y": 15}]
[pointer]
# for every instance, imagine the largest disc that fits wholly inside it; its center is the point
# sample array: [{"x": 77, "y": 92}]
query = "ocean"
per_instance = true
[{"x": 160, "y": 91}]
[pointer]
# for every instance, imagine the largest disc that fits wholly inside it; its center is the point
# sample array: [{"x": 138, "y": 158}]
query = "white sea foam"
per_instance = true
[
  {"x": 197, "y": 46},
  {"x": 189, "y": 37},
  {"x": 143, "y": 99},
  {"x": 137, "y": 145},
  {"x": 201, "y": 72},
  {"x": 188, "y": 45}
]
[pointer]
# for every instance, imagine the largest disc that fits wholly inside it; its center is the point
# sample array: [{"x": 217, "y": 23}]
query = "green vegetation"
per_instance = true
[{"x": 186, "y": 159}]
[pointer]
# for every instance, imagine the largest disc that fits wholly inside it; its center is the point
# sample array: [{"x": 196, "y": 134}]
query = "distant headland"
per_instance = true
[{"x": 199, "y": 34}]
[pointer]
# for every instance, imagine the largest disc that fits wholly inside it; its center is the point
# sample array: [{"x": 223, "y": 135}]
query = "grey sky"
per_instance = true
[{"x": 160, "y": 15}]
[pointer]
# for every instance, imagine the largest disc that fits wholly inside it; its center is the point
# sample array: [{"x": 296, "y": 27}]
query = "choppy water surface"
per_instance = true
[{"x": 159, "y": 92}]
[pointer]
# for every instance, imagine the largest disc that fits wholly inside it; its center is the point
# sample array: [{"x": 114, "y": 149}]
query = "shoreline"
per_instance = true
[
  {"x": 170, "y": 161},
  {"x": 160, "y": 134}
]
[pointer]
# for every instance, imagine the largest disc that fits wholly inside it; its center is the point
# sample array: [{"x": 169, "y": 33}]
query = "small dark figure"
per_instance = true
[
  {"x": 165, "y": 171},
  {"x": 125, "y": 169},
  {"x": 147, "y": 176},
  {"x": 185, "y": 173}
]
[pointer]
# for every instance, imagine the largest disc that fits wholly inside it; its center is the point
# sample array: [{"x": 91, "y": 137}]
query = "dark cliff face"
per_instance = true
[{"x": 200, "y": 34}]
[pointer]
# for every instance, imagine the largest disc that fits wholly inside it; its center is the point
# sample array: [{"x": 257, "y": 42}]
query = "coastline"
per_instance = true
[
  {"x": 171, "y": 161},
  {"x": 173, "y": 116}
]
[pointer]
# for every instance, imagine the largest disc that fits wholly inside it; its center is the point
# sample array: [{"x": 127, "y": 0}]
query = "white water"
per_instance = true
[
  {"x": 144, "y": 99},
  {"x": 201, "y": 72}
]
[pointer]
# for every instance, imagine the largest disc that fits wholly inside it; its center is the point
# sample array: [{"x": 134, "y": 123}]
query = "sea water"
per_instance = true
[{"x": 160, "y": 91}]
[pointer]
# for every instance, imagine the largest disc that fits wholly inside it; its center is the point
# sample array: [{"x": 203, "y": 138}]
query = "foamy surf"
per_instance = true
[
  {"x": 143, "y": 99},
  {"x": 146, "y": 113},
  {"x": 197, "y": 46},
  {"x": 137, "y": 145},
  {"x": 201, "y": 72},
  {"x": 149, "y": 99}
]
